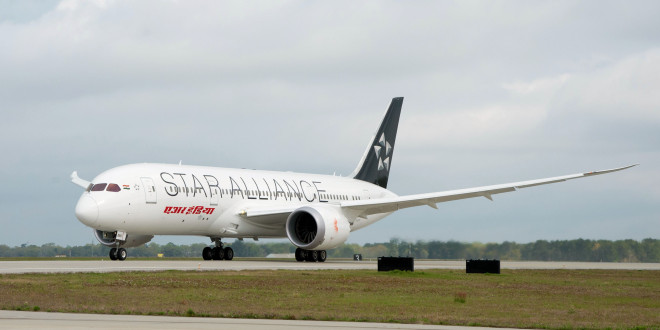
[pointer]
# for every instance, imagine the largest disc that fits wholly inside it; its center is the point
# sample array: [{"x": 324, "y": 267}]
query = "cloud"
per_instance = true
[
  {"x": 542, "y": 86},
  {"x": 624, "y": 89},
  {"x": 494, "y": 92},
  {"x": 582, "y": 106}
]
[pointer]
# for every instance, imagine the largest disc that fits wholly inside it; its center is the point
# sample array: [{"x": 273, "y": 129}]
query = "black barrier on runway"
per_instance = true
[
  {"x": 385, "y": 264},
  {"x": 482, "y": 266}
]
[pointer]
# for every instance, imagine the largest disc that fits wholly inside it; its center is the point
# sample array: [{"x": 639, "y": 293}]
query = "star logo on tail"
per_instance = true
[{"x": 383, "y": 147}]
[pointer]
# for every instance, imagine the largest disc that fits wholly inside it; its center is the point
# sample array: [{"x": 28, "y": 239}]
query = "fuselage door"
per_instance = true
[
  {"x": 214, "y": 189},
  {"x": 215, "y": 195},
  {"x": 149, "y": 190}
]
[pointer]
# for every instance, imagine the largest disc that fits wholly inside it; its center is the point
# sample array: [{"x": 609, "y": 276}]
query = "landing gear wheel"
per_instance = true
[
  {"x": 312, "y": 256},
  {"x": 113, "y": 254},
  {"x": 207, "y": 253},
  {"x": 122, "y": 254},
  {"x": 218, "y": 253},
  {"x": 322, "y": 255},
  {"x": 229, "y": 253},
  {"x": 300, "y": 255}
]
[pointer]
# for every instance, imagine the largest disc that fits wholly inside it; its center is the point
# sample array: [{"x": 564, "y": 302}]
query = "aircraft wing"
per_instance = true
[
  {"x": 383, "y": 205},
  {"x": 363, "y": 208}
]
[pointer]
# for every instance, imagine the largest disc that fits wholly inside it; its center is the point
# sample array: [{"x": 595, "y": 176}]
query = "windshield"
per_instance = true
[{"x": 112, "y": 187}]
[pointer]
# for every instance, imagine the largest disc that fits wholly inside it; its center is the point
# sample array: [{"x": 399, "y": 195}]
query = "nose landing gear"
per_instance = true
[{"x": 118, "y": 254}]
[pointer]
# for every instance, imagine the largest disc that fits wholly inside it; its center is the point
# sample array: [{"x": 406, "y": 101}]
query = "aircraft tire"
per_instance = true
[
  {"x": 218, "y": 253},
  {"x": 121, "y": 254},
  {"x": 113, "y": 254},
  {"x": 312, "y": 256},
  {"x": 300, "y": 255},
  {"x": 322, "y": 255},
  {"x": 229, "y": 253},
  {"x": 207, "y": 253}
]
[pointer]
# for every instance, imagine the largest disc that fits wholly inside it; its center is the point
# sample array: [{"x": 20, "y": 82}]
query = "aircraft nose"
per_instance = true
[{"x": 87, "y": 211}]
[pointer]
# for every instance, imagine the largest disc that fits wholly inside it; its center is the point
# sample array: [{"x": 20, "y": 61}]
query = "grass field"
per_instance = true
[{"x": 557, "y": 299}]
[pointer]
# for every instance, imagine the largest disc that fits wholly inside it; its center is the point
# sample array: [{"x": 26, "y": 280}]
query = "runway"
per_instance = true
[
  {"x": 104, "y": 265},
  {"x": 41, "y": 320}
]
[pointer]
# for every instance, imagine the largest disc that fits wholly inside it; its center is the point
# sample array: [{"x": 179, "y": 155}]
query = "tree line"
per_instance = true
[{"x": 647, "y": 250}]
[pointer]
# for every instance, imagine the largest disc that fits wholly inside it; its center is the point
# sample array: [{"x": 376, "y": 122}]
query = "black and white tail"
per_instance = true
[{"x": 377, "y": 159}]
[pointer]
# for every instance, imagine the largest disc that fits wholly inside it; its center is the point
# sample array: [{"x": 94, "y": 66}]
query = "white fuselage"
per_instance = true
[{"x": 165, "y": 199}]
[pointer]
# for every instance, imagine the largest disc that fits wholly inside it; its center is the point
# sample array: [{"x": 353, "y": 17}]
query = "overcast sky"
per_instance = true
[{"x": 495, "y": 92}]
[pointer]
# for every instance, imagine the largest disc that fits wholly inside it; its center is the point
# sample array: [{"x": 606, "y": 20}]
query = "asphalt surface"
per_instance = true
[
  {"x": 105, "y": 265},
  {"x": 41, "y": 320}
]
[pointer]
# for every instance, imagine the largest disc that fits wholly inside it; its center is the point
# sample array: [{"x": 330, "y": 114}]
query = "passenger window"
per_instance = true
[
  {"x": 113, "y": 187},
  {"x": 99, "y": 187}
]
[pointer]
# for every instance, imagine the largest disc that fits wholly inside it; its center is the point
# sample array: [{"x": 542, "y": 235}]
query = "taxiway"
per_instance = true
[
  {"x": 105, "y": 265},
  {"x": 42, "y": 320}
]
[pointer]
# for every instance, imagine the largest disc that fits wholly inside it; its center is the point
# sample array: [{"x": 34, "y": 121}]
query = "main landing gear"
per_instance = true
[
  {"x": 310, "y": 255},
  {"x": 218, "y": 252},
  {"x": 118, "y": 254}
]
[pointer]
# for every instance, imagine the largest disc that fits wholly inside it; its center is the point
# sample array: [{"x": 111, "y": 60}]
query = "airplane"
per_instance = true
[{"x": 127, "y": 205}]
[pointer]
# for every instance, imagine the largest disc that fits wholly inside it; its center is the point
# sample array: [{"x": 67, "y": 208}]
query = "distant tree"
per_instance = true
[
  {"x": 344, "y": 251},
  {"x": 5, "y": 251},
  {"x": 374, "y": 250},
  {"x": 648, "y": 250},
  {"x": 651, "y": 248}
]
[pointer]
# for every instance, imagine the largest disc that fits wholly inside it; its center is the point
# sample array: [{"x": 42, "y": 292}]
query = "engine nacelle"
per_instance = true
[
  {"x": 317, "y": 228},
  {"x": 109, "y": 238}
]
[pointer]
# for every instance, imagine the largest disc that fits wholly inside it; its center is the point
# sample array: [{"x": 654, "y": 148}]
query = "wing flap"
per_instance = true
[{"x": 260, "y": 212}]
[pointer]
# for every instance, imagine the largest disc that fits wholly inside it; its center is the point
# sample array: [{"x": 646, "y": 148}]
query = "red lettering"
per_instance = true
[{"x": 188, "y": 210}]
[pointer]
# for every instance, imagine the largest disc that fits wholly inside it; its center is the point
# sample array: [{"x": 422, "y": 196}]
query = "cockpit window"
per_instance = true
[
  {"x": 99, "y": 187},
  {"x": 113, "y": 187}
]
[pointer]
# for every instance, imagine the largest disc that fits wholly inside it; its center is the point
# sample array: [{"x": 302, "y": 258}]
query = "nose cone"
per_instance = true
[{"x": 87, "y": 211}]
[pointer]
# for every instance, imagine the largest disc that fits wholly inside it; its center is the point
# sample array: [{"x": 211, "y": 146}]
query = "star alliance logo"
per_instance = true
[{"x": 383, "y": 164}]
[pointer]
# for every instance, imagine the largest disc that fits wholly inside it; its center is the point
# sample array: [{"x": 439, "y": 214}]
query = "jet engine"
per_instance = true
[
  {"x": 317, "y": 227},
  {"x": 109, "y": 238}
]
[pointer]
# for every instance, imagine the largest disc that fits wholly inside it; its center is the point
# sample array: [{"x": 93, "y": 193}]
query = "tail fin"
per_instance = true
[{"x": 374, "y": 167}]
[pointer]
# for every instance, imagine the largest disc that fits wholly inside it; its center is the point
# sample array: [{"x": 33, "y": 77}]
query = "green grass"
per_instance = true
[{"x": 555, "y": 299}]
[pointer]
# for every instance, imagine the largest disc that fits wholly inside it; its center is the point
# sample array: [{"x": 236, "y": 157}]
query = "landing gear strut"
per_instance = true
[
  {"x": 218, "y": 252},
  {"x": 310, "y": 255}
]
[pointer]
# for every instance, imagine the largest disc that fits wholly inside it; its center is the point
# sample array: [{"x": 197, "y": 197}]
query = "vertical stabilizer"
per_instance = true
[{"x": 377, "y": 159}]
